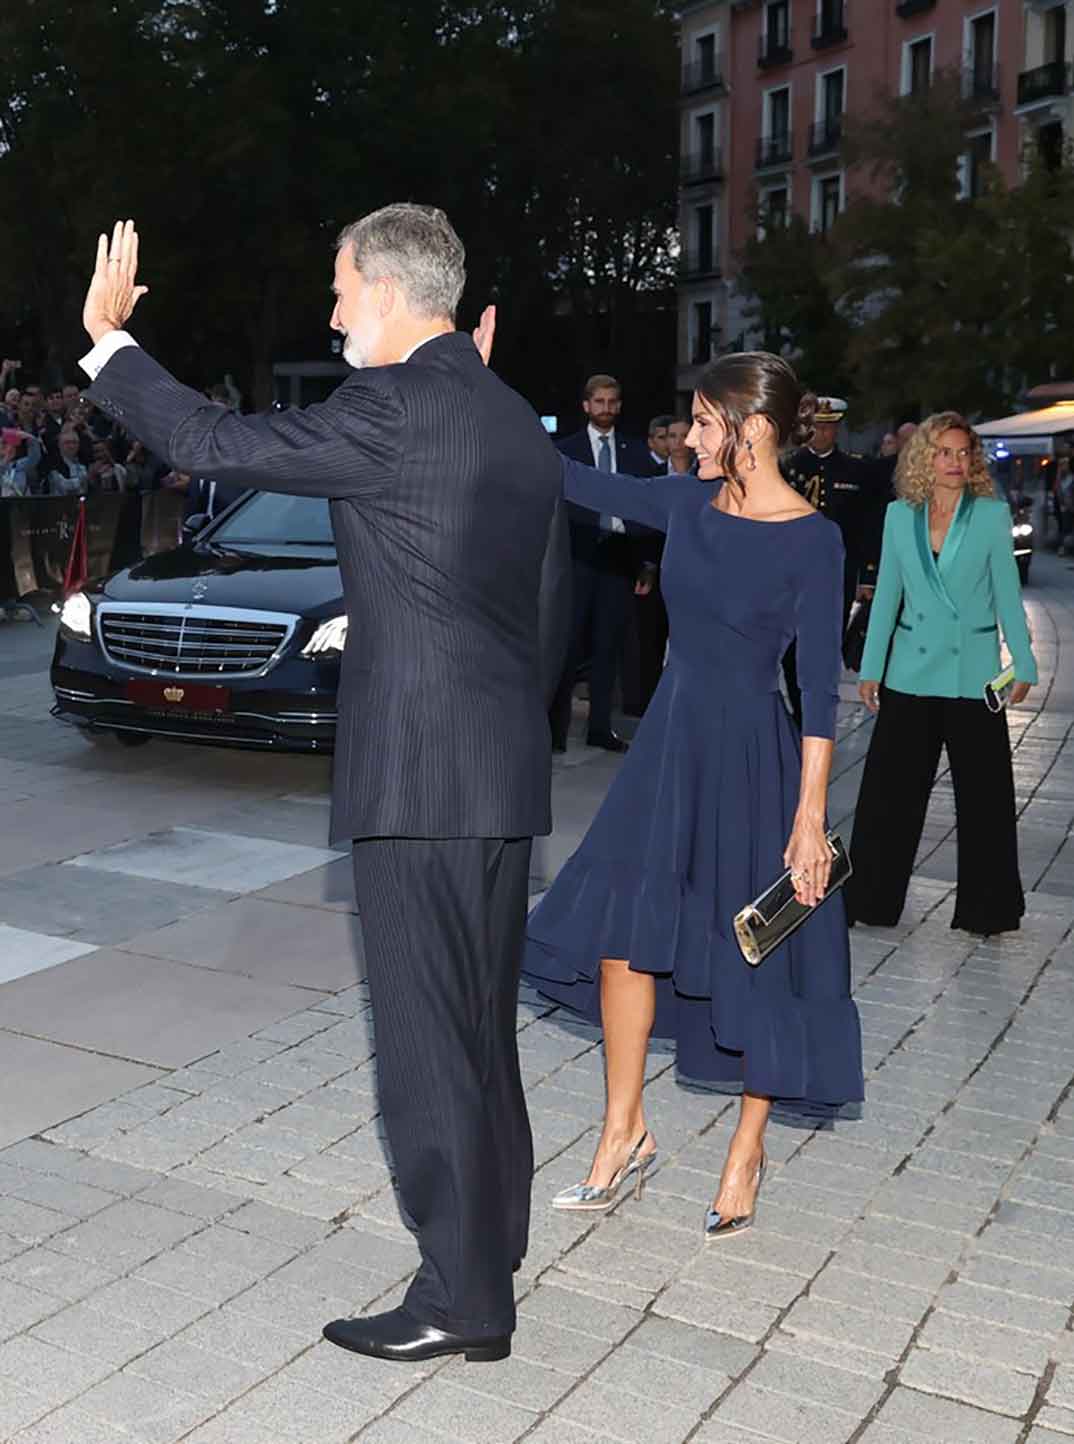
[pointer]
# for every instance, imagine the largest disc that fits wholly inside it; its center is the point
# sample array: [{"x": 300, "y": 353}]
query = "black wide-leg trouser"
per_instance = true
[
  {"x": 444, "y": 924},
  {"x": 900, "y": 770}
]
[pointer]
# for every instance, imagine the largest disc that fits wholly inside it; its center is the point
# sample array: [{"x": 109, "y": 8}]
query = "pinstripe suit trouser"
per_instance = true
[{"x": 444, "y": 925}]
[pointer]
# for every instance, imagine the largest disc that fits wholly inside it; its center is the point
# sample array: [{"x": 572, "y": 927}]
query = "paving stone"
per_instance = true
[
  {"x": 976, "y": 1302},
  {"x": 922, "y": 1415},
  {"x": 81, "y": 1329},
  {"x": 791, "y": 1420},
  {"x": 842, "y": 1286},
  {"x": 148, "y": 1411},
  {"x": 844, "y": 1324},
  {"x": 985, "y": 1384},
  {"x": 634, "y": 1371},
  {"x": 236, "y": 1336},
  {"x": 190, "y": 1370},
  {"x": 48, "y": 1373},
  {"x": 52, "y": 1273},
  {"x": 646, "y": 1421},
  {"x": 71, "y": 1425},
  {"x": 838, "y": 1388},
  {"x": 693, "y": 1304},
  {"x": 977, "y": 1339}
]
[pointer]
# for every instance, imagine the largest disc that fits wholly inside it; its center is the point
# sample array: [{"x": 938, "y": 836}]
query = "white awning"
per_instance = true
[{"x": 1049, "y": 421}]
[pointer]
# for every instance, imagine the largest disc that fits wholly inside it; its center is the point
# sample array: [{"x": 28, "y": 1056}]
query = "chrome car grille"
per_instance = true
[{"x": 192, "y": 641}]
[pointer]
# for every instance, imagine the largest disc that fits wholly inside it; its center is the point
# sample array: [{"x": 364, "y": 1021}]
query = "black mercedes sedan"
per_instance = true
[{"x": 233, "y": 638}]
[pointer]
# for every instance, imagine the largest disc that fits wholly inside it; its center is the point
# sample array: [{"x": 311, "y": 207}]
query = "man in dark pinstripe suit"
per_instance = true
[{"x": 445, "y": 500}]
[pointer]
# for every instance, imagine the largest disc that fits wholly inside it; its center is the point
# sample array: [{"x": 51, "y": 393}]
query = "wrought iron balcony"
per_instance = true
[
  {"x": 703, "y": 75},
  {"x": 699, "y": 265},
  {"x": 774, "y": 51},
  {"x": 907, "y": 9},
  {"x": 702, "y": 165},
  {"x": 1044, "y": 82},
  {"x": 774, "y": 150},
  {"x": 830, "y": 27},
  {"x": 826, "y": 136},
  {"x": 980, "y": 82}
]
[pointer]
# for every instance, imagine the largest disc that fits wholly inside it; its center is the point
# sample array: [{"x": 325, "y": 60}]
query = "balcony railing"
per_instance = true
[
  {"x": 826, "y": 136},
  {"x": 774, "y": 150},
  {"x": 981, "y": 82},
  {"x": 774, "y": 51},
  {"x": 703, "y": 75},
  {"x": 702, "y": 165},
  {"x": 907, "y": 9},
  {"x": 830, "y": 27},
  {"x": 697, "y": 265},
  {"x": 1043, "y": 82}
]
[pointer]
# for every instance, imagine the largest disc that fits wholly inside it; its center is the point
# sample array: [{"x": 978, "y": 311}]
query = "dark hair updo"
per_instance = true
[{"x": 757, "y": 383}]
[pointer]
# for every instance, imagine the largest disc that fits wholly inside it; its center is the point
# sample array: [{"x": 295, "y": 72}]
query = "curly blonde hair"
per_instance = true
[{"x": 915, "y": 474}]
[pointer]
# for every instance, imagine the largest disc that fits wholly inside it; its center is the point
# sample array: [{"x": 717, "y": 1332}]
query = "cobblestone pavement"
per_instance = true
[{"x": 192, "y": 1178}]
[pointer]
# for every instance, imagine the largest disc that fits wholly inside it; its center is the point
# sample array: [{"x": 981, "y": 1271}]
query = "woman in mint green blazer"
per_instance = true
[{"x": 948, "y": 583}]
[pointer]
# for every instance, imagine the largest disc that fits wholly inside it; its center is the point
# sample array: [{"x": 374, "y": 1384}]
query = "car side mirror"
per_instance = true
[{"x": 195, "y": 524}]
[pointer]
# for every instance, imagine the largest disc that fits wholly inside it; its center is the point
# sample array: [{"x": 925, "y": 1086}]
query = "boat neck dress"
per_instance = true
[{"x": 696, "y": 822}]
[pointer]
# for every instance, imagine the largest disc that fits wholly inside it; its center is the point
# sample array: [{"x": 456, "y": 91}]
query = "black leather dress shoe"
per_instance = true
[
  {"x": 610, "y": 741},
  {"x": 395, "y": 1335}
]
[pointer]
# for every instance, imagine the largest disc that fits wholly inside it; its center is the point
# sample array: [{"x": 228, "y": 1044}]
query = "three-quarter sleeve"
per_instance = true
[
  {"x": 819, "y": 618},
  {"x": 1007, "y": 590},
  {"x": 647, "y": 500}
]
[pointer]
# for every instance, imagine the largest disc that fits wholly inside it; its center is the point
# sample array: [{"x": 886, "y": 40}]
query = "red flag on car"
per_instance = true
[{"x": 76, "y": 572}]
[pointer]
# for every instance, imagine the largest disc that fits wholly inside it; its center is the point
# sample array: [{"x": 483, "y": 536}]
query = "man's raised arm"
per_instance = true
[{"x": 349, "y": 445}]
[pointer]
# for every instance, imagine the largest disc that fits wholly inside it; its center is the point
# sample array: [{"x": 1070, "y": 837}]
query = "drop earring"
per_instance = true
[{"x": 751, "y": 459}]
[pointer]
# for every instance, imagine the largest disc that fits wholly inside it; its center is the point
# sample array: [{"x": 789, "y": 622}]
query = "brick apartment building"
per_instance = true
[{"x": 767, "y": 86}]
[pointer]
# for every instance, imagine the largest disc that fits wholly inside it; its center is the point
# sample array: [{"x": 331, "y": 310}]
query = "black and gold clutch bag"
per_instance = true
[{"x": 771, "y": 918}]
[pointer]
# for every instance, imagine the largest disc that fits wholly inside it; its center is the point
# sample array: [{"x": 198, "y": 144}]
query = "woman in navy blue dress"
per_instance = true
[{"x": 716, "y": 796}]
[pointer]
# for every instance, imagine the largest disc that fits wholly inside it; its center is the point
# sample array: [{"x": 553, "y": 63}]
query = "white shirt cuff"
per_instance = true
[{"x": 94, "y": 362}]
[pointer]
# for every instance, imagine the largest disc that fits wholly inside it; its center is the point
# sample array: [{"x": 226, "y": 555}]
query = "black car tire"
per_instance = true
[
  {"x": 107, "y": 738},
  {"x": 1023, "y": 569}
]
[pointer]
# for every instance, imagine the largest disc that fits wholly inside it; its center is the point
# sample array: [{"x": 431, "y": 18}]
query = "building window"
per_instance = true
[
  {"x": 917, "y": 66},
  {"x": 1055, "y": 35},
  {"x": 827, "y": 202},
  {"x": 832, "y": 95},
  {"x": 1050, "y": 144},
  {"x": 976, "y": 161},
  {"x": 705, "y": 126},
  {"x": 704, "y": 237},
  {"x": 775, "y": 209},
  {"x": 779, "y": 113},
  {"x": 705, "y": 56},
  {"x": 982, "y": 75},
  {"x": 701, "y": 349},
  {"x": 777, "y": 26}
]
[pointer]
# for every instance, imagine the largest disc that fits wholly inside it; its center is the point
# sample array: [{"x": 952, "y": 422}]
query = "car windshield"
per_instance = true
[{"x": 279, "y": 520}]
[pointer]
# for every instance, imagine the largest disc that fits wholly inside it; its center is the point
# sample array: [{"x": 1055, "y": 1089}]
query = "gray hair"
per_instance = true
[{"x": 417, "y": 247}]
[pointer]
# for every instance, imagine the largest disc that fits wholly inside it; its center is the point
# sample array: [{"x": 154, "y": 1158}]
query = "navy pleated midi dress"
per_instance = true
[{"x": 696, "y": 822}]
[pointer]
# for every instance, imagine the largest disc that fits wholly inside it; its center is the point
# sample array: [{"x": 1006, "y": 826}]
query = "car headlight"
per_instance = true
[
  {"x": 76, "y": 616},
  {"x": 330, "y": 636}
]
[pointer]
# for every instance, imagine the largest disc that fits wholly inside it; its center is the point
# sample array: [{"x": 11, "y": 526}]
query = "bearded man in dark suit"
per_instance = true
[
  {"x": 445, "y": 500},
  {"x": 609, "y": 557}
]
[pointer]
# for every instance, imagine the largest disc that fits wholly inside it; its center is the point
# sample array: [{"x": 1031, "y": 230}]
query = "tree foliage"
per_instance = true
[
  {"x": 243, "y": 134},
  {"x": 931, "y": 299}
]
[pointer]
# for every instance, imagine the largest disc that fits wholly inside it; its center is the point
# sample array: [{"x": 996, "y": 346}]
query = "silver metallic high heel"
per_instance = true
[
  {"x": 587, "y": 1197},
  {"x": 716, "y": 1226}
]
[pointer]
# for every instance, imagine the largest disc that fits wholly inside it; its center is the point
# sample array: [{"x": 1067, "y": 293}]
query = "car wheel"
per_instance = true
[
  {"x": 102, "y": 738},
  {"x": 1023, "y": 569}
]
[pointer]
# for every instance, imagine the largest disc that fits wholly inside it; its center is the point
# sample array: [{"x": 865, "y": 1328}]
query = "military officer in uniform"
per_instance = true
[{"x": 848, "y": 489}]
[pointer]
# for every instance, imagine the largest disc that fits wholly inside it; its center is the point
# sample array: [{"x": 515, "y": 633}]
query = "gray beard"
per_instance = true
[{"x": 354, "y": 355}]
